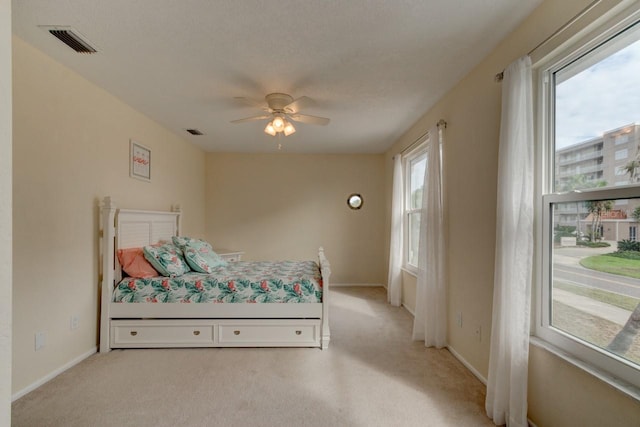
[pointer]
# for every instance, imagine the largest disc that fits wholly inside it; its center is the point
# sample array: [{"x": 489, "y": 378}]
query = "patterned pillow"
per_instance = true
[
  {"x": 181, "y": 241},
  {"x": 199, "y": 254},
  {"x": 167, "y": 259}
]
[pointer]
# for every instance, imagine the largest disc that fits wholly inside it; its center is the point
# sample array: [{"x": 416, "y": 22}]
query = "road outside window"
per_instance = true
[{"x": 596, "y": 275}]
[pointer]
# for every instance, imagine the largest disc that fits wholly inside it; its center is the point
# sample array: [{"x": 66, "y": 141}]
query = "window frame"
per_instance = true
[
  {"x": 617, "y": 371},
  {"x": 419, "y": 151}
]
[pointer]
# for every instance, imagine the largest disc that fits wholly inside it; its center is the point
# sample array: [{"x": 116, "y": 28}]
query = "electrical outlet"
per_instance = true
[
  {"x": 478, "y": 332},
  {"x": 459, "y": 319},
  {"x": 74, "y": 322},
  {"x": 40, "y": 340}
]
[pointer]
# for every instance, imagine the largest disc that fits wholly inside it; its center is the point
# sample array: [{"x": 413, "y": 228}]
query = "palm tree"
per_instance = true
[
  {"x": 597, "y": 208},
  {"x": 621, "y": 343},
  {"x": 632, "y": 169},
  {"x": 575, "y": 182}
]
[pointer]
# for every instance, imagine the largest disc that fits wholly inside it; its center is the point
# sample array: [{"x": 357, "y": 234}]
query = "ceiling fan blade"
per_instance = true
[
  {"x": 298, "y": 104},
  {"x": 314, "y": 120},
  {"x": 252, "y": 102},
  {"x": 251, "y": 119}
]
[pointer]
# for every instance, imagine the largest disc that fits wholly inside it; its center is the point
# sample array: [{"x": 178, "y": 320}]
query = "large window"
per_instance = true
[
  {"x": 589, "y": 286},
  {"x": 415, "y": 165}
]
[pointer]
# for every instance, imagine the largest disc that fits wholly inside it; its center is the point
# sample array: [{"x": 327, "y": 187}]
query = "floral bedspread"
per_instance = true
[{"x": 238, "y": 282}]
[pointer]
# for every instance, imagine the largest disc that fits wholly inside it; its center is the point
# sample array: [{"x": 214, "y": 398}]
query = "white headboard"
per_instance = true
[
  {"x": 141, "y": 228},
  {"x": 121, "y": 229}
]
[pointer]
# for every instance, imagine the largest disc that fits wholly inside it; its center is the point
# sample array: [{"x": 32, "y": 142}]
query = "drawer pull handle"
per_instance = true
[
  {"x": 196, "y": 333},
  {"x": 133, "y": 333},
  {"x": 298, "y": 332},
  {"x": 236, "y": 332}
]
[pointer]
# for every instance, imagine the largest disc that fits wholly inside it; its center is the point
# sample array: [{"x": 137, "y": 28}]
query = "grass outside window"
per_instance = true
[{"x": 613, "y": 264}]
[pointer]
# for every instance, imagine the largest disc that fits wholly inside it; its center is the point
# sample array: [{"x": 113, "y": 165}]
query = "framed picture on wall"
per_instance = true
[{"x": 139, "y": 161}]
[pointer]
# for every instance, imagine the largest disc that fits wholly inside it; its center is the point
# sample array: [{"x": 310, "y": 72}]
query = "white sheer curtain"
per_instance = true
[
  {"x": 508, "y": 362},
  {"x": 430, "y": 322},
  {"x": 394, "y": 282}
]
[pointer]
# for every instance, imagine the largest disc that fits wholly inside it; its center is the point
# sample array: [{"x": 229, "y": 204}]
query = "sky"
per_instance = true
[{"x": 601, "y": 98}]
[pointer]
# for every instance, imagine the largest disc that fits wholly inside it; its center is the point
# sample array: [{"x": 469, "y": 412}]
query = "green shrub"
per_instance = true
[
  {"x": 563, "y": 231},
  {"x": 593, "y": 237},
  {"x": 635, "y": 255},
  {"x": 628, "y": 245},
  {"x": 592, "y": 244}
]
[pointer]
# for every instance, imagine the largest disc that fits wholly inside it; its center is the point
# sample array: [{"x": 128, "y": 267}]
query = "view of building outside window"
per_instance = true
[{"x": 595, "y": 255}]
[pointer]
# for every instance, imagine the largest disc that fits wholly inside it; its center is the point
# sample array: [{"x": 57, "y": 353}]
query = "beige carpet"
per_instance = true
[{"x": 371, "y": 375}]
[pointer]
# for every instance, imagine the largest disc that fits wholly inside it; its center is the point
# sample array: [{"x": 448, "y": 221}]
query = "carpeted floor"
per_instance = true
[{"x": 371, "y": 375}]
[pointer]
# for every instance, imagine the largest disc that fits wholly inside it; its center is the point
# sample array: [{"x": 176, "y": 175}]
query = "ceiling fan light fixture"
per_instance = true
[
  {"x": 288, "y": 129},
  {"x": 278, "y": 123},
  {"x": 280, "y": 110},
  {"x": 270, "y": 129}
]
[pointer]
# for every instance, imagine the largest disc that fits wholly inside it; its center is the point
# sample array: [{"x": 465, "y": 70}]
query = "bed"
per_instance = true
[{"x": 243, "y": 304}]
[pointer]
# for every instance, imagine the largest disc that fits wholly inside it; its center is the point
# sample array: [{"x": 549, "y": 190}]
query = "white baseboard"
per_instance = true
[
  {"x": 477, "y": 374},
  {"x": 457, "y": 355},
  {"x": 53, "y": 374},
  {"x": 340, "y": 285},
  {"x": 467, "y": 365},
  {"x": 409, "y": 310}
]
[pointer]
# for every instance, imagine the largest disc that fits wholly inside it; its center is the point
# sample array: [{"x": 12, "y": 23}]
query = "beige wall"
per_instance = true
[
  {"x": 70, "y": 148},
  {"x": 5, "y": 212},
  {"x": 472, "y": 111},
  {"x": 560, "y": 394},
  {"x": 284, "y": 206}
]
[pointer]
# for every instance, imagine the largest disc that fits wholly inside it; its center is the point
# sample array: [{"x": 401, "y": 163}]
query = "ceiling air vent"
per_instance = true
[
  {"x": 71, "y": 38},
  {"x": 194, "y": 131}
]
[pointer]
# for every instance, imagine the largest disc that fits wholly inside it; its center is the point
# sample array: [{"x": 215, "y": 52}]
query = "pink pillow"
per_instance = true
[{"x": 134, "y": 263}]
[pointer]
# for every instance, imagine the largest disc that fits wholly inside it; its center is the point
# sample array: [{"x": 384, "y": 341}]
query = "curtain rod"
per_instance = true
[
  {"x": 441, "y": 123},
  {"x": 498, "y": 77}
]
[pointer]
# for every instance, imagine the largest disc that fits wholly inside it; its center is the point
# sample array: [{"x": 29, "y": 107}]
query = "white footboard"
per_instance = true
[{"x": 325, "y": 272}]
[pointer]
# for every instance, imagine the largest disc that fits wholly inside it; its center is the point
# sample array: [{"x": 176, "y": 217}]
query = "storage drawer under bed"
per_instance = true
[
  {"x": 150, "y": 333},
  {"x": 161, "y": 333},
  {"x": 270, "y": 333}
]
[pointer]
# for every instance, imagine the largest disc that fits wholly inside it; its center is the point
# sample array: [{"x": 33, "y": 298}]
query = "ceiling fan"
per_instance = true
[{"x": 281, "y": 109}]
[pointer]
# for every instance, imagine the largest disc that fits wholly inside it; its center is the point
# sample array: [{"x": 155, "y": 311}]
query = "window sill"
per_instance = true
[
  {"x": 410, "y": 272},
  {"x": 620, "y": 385}
]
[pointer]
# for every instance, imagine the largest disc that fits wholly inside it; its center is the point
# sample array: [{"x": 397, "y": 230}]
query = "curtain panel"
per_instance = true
[
  {"x": 430, "y": 322},
  {"x": 506, "y": 400}
]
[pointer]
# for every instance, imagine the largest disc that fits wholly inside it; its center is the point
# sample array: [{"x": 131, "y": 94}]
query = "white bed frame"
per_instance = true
[{"x": 142, "y": 325}]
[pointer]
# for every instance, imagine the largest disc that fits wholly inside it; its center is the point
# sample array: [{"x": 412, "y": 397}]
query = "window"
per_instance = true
[
  {"x": 622, "y": 154},
  {"x": 622, "y": 139},
  {"x": 415, "y": 165},
  {"x": 589, "y": 95}
]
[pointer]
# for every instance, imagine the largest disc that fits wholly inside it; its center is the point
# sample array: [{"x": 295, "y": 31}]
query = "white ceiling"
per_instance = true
[{"x": 372, "y": 66}]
